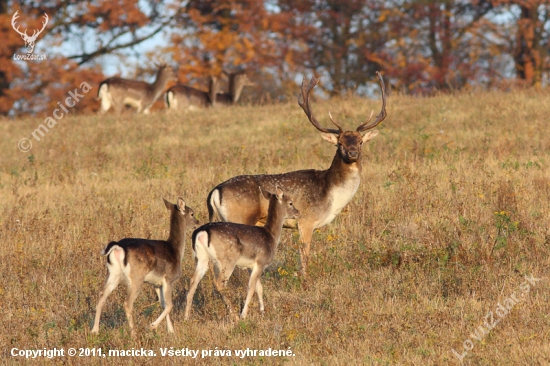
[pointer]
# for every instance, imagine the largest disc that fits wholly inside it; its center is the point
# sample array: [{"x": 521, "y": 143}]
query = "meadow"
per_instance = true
[{"x": 448, "y": 232}]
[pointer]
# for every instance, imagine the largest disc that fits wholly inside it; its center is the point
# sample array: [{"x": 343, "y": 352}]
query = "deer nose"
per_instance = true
[{"x": 353, "y": 154}]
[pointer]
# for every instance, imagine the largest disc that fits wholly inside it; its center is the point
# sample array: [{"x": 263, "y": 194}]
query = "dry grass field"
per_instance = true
[{"x": 451, "y": 216}]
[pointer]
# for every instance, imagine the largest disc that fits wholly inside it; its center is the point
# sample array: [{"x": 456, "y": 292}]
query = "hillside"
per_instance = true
[{"x": 451, "y": 216}]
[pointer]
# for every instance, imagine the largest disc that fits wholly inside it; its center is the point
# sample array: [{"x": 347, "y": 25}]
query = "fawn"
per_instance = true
[
  {"x": 157, "y": 262},
  {"x": 229, "y": 245}
]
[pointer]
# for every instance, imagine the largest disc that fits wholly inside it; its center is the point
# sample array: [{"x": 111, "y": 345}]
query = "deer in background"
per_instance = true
[
  {"x": 156, "y": 262},
  {"x": 29, "y": 41},
  {"x": 237, "y": 81},
  {"x": 229, "y": 245},
  {"x": 185, "y": 97},
  {"x": 319, "y": 195},
  {"x": 117, "y": 92}
]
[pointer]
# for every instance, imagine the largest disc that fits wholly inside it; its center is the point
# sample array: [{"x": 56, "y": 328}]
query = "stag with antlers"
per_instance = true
[
  {"x": 319, "y": 195},
  {"x": 29, "y": 41}
]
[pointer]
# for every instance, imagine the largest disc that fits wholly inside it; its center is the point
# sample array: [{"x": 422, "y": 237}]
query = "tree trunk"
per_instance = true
[
  {"x": 4, "y": 81},
  {"x": 526, "y": 53}
]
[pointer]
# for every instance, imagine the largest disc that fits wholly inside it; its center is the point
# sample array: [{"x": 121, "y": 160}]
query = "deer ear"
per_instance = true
[
  {"x": 168, "y": 204},
  {"x": 279, "y": 193},
  {"x": 330, "y": 137},
  {"x": 369, "y": 135},
  {"x": 181, "y": 204},
  {"x": 266, "y": 194}
]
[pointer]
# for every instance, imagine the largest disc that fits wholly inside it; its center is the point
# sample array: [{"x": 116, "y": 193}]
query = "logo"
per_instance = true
[{"x": 30, "y": 41}]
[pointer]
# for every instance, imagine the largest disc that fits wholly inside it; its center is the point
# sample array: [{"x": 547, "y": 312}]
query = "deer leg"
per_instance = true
[
  {"x": 161, "y": 297},
  {"x": 202, "y": 267},
  {"x": 105, "y": 106},
  {"x": 133, "y": 291},
  {"x": 222, "y": 274},
  {"x": 110, "y": 285},
  {"x": 306, "y": 232},
  {"x": 118, "y": 105},
  {"x": 254, "y": 279},
  {"x": 166, "y": 291},
  {"x": 260, "y": 292}
]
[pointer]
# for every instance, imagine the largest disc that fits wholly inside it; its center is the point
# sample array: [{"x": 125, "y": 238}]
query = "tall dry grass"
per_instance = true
[{"x": 450, "y": 217}]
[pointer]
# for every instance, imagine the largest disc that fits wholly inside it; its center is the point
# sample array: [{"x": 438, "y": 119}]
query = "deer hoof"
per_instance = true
[{"x": 304, "y": 283}]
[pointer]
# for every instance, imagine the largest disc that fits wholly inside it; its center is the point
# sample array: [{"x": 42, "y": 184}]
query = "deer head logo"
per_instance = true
[{"x": 29, "y": 40}]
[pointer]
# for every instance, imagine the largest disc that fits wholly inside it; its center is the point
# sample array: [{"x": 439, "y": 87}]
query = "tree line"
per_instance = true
[{"x": 420, "y": 46}]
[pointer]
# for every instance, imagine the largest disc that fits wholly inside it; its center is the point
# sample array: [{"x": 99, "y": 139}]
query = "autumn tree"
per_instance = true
[
  {"x": 230, "y": 35},
  {"x": 530, "y": 42},
  {"x": 77, "y": 35},
  {"x": 11, "y": 41},
  {"x": 420, "y": 46},
  {"x": 342, "y": 40},
  {"x": 440, "y": 45}
]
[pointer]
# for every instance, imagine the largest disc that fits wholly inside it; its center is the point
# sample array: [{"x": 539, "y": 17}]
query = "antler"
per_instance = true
[
  {"x": 13, "y": 19},
  {"x": 303, "y": 101},
  {"x": 35, "y": 32},
  {"x": 333, "y": 121},
  {"x": 44, "y": 23},
  {"x": 365, "y": 126}
]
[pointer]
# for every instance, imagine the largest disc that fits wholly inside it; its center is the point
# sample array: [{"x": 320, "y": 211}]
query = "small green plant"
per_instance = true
[{"x": 505, "y": 226}]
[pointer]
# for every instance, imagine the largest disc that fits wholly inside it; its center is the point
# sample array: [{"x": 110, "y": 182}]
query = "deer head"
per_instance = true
[
  {"x": 164, "y": 73},
  {"x": 237, "y": 81},
  {"x": 349, "y": 143},
  {"x": 29, "y": 40}
]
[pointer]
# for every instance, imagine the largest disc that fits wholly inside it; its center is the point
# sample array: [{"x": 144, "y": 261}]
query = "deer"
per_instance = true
[
  {"x": 237, "y": 81},
  {"x": 186, "y": 97},
  {"x": 29, "y": 41},
  {"x": 320, "y": 195},
  {"x": 156, "y": 262},
  {"x": 230, "y": 244},
  {"x": 117, "y": 92}
]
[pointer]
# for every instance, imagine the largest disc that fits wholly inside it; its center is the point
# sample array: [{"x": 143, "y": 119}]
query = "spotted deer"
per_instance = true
[
  {"x": 320, "y": 195},
  {"x": 157, "y": 262},
  {"x": 117, "y": 92},
  {"x": 185, "y": 97},
  {"x": 229, "y": 245}
]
